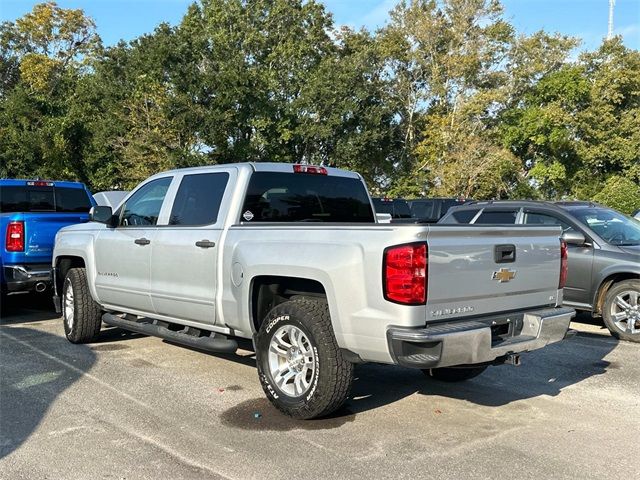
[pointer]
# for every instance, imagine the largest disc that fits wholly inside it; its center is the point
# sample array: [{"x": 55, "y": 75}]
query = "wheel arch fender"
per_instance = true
[
  {"x": 609, "y": 277},
  {"x": 267, "y": 291},
  {"x": 74, "y": 251}
]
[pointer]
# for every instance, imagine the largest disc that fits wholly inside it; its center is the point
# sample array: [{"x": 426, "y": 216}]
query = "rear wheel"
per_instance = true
[
  {"x": 621, "y": 310},
  {"x": 81, "y": 315},
  {"x": 449, "y": 374},
  {"x": 301, "y": 368}
]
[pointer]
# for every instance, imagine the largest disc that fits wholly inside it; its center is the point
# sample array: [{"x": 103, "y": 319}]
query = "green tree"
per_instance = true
[
  {"x": 43, "y": 55},
  {"x": 447, "y": 63},
  {"x": 620, "y": 193}
]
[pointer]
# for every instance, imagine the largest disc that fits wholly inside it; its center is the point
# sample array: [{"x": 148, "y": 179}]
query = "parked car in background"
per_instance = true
[
  {"x": 604, "y": 253},
  {"x": 398, "y": 208},
  {"x": 636, "y": 215},
  {"x": 430, "y": 210},
  {"x": 31, "y": 213},
  {"x": 110, "y": 198},
  {"x": 291, "y": 256}
]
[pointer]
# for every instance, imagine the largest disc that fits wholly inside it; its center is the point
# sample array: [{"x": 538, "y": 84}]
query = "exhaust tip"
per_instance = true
[{"x": 41, "y": 287}]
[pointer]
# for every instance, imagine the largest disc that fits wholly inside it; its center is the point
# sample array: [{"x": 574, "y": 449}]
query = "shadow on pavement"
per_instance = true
[
  {"x": 31, "y": 380},
  {"x": 27, "y": 307},
  {"x": 544, "y": 372}
]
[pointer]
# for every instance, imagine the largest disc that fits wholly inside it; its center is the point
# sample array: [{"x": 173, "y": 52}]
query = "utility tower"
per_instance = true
[{"x": 610, "y": 31}]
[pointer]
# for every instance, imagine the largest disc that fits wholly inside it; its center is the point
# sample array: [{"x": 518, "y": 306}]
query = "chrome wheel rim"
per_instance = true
[
  {"x": 625, "y": 311},
  {"x": 292, "y": 361},
  {"x": 68, "y": 305}
]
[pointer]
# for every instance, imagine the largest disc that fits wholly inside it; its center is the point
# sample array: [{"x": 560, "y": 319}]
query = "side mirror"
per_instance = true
[
  {"x": 383, "y": 217},
  {"x": 101, "y": 214},
  {"x": 574, "y": 238}
]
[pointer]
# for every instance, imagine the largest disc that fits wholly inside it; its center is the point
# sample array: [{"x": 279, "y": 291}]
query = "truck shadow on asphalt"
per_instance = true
[
  {"x": 37, "y": 306},
  {"x": 36, "y": 367},
  {"x": 543, "y": 372}
]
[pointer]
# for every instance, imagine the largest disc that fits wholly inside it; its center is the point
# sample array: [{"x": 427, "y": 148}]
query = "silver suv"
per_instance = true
[{"x": 604, "y": 253}]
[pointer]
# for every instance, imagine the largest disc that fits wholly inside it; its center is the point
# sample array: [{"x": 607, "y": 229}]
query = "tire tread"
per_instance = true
[
  {"x": 314, "y": 315},
  {"x": 88, "y": 314}
]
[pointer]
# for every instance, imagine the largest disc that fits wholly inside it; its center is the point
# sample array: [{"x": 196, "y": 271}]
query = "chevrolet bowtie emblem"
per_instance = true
[{"x": 503, "y": 275}]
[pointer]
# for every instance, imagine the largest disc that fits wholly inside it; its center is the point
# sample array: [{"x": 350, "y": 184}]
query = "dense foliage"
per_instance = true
[{"x": 446, "y": 99}]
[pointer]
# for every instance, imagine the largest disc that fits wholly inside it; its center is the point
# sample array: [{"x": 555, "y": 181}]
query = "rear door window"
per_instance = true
[
  {"x": 198, "y": 199},
  {"x": 497, "y": 217},
  {"x": 301, "y": 197}
]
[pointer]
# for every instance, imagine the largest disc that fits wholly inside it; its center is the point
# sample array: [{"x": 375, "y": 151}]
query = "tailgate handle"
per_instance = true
[{"x": 504, "y": 254}]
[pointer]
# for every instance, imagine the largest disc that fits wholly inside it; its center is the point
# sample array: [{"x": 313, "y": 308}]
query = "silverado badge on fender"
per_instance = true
[{"x": 503, "y": 275}]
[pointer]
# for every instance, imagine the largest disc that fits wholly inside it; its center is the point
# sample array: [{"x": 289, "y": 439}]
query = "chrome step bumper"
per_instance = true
[{"x": 468, "y": 342}]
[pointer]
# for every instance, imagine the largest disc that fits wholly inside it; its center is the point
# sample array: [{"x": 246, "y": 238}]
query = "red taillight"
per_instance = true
[
  {"x": 564, "y": 256},
  {"x": 15, "y": 237},
  {"x": 405, "y": 274},
  {"x": 298, "y": 168}
]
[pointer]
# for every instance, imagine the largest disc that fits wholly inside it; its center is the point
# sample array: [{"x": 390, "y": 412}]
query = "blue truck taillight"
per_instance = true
[{"x": 15, "y": 237}]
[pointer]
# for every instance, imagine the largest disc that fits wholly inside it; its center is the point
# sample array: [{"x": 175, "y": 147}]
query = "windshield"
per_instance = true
[{"x": 613, "y": 227}]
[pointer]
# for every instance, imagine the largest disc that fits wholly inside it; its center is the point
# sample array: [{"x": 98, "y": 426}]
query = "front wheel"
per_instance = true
[
  {"x": 301, "y": 368},
  {"x": 621, "y": 310},
  {"x": 459, "y": 374},
  {"x": 81, "y": 315}
]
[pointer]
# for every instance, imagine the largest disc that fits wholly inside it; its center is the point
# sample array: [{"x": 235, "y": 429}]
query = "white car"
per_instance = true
[{"x": 111, "y": 198}]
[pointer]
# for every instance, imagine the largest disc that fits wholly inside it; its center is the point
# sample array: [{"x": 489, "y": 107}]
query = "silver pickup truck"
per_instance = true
[{"x": 291, "y": 257}]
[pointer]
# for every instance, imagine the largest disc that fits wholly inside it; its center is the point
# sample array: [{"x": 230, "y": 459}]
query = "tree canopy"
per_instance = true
[{"x": 446, "y": 99}]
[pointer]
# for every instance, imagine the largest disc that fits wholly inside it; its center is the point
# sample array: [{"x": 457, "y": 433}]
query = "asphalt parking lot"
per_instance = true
[{"x": 129, "y": 407}]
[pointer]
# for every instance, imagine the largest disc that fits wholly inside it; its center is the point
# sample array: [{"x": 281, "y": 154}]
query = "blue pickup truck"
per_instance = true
[{"x": 31, "y": 213}]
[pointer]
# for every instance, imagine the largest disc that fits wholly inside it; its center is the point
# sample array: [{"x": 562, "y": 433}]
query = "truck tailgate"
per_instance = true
[
  {"x": 40, "y": 230},
  {"x": 476, "y": 270}
]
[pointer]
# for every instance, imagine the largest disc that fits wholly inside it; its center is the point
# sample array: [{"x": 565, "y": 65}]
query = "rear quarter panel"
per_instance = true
[{"x": 346, "y": 260}]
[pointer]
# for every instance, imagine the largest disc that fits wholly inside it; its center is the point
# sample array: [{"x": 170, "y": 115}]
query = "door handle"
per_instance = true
[
  {"x": 205, "y": 244},
  {"x": 142, "y": 241}
]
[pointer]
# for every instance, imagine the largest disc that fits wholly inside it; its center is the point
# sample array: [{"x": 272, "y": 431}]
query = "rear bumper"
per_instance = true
[
  {"x": 20, "y": 278},
  {"x": 481, "y": 340}
]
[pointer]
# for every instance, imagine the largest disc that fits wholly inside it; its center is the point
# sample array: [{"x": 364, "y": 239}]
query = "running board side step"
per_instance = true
[{"x": 188, "y": 336}]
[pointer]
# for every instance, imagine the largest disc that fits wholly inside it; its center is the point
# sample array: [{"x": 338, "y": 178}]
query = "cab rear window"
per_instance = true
[
  {"x": 292, "y": 197},
  {"x": 44, "y": 199}
]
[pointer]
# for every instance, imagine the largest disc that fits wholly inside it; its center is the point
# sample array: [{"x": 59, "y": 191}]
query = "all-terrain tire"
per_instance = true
[
  {"x": 629, "y": 292},
  {"x": 330, "y": 379},
  {"x": 81, "y": 315},
  {"x": 454, "y": 374}
]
